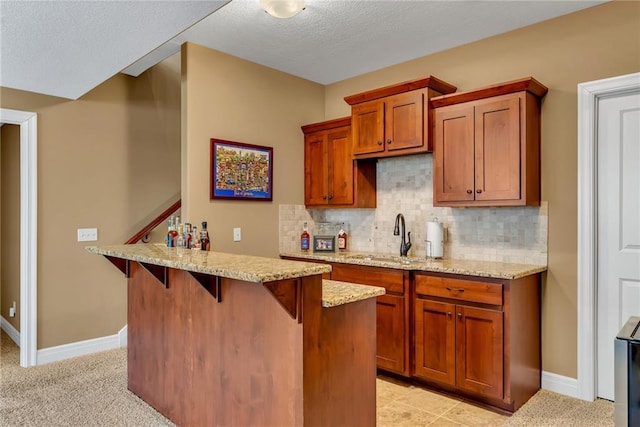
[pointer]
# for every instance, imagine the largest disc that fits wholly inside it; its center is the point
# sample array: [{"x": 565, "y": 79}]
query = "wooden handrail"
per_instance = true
[{"x": 153, "y": 224}]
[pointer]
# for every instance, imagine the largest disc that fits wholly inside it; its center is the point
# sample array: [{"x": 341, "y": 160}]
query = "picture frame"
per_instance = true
[
  {"x": 324, "y": 243},
  {"x": 240, "y": 171}
]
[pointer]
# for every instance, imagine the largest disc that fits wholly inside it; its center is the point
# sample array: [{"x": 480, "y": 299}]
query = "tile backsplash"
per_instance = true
[{"x": 405, "y": 185}]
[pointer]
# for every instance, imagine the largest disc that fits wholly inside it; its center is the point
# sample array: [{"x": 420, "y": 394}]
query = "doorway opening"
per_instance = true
[{"x": 28, "y": 230}]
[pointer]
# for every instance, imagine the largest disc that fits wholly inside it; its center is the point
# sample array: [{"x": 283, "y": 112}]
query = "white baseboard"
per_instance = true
[
  {"x": 10, "y": 330},
  {"x": 81, "y": 348},
  {"x": 560, "y": 384},
  {"x": 122, "y": 336}
]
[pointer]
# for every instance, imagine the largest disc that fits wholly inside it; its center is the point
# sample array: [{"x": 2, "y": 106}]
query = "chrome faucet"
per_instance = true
[{"x": 404, "y": 245}]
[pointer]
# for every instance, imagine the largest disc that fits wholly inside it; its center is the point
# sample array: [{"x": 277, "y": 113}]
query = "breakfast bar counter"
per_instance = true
[{"x": 224, "y": 339}]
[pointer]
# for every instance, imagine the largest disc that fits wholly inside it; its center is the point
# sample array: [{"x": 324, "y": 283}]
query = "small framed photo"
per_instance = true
[{"x": 324, "y": 243}]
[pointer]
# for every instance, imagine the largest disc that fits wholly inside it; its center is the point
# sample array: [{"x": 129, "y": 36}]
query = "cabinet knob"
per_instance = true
[
  {"x": 478, "y": 191},
  {"x": 324, "y": 197},
  {"x": 330, "y": 197},
  {"x": 448, "y": 314},
  {"x": 388, "y": 141},
  {"x": 379, "y": 142},
  {"x": 459, "y": 315},
  {"x": 469, "y": 191}
]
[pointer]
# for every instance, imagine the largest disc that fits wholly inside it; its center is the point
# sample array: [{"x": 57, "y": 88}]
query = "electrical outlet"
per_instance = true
[
  {"x": 237, "y": 234},
  {"x": 87, "y": 234},
  {"x": 12, "y": 310}
]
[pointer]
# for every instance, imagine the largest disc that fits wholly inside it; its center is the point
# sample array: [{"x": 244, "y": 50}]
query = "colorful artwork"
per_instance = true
[{"x": 241, "y": 171}]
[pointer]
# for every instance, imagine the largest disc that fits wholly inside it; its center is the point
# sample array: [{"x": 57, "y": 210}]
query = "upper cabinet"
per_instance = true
[
  {"x": 487, "y": 145},
  {"x": 394, "y": 120},
  {"x": 332, "y": 179}
]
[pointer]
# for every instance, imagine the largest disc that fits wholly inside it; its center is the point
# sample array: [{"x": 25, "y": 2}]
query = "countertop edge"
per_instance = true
[
  {"x": 487, "y": 269},
  {"x": 336, "y": 293},
  {"x": 309, "y": 269}
]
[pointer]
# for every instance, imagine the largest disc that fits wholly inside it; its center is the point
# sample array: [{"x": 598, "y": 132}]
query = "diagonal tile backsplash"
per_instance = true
[{"x": 405, "y": 185}]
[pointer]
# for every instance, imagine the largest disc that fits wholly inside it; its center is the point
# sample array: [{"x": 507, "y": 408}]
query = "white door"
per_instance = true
[{"x": 618, "y": 224}]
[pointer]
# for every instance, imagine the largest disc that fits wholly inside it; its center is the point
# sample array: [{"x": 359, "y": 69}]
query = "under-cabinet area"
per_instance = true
[{"x": 468, "y": 328}]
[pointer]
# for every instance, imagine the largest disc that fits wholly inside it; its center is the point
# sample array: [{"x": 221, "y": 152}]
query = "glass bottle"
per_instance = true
[
  {"x": 304, "y": 238},
  {"x": 342, "y": 240},
  {"x": 180, "y": 243},
  {"x": 195, "y": 238},
  {"x": 188, "y": 237},
  {"x": 171, "y": 235},
  {"x": 205, "y": 243}
]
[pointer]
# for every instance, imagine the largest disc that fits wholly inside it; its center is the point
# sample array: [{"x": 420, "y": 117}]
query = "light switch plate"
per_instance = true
[
  {"x": 87, "y": 234},
  {"x": 237, "y": 234}
]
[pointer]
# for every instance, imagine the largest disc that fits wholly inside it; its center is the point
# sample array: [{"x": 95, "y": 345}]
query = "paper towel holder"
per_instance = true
[{"x": 435, "y": 239}]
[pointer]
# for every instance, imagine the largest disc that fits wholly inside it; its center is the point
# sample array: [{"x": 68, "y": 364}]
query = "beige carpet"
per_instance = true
[{"x": 92, "y": 391}]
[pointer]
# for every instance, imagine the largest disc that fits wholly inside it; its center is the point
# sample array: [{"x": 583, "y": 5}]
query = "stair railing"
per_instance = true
[{"x": 154, "y": 223}]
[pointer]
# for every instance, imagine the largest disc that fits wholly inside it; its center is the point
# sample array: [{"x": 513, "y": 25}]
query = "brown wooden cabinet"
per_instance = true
[
  {"x": 331, "y": 177},
  {"x": 480, "y": 337},
  {"x": 392, "y": 312},
  {"x": 394, "y": 120},
  {"x": 487, "y": 145}
]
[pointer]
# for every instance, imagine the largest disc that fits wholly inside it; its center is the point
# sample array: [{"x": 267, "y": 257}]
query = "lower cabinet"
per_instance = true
[
  {"x": 392, "y": 312},
  {"x": 459, "y": 345},
  {"x": 479, "y": 337},
  {"x": 473, "y": 336}
]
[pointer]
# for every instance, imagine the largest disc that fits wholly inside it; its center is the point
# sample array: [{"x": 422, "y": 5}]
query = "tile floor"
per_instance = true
[{"x": 406, "y": 405}]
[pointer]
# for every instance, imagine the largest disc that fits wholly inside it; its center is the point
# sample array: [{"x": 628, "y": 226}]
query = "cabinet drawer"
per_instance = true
[
  {"x": 465, "y": 290},
  {"x": 391, "y": 280}
]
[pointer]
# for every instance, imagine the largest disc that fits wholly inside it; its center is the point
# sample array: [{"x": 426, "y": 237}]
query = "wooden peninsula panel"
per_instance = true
[{"x": 243, "y": 353}]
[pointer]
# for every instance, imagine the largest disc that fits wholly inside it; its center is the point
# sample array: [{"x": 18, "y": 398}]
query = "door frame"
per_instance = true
[
  {"x": 28, "y": 230},
  {"x": 588, "y": 95}
]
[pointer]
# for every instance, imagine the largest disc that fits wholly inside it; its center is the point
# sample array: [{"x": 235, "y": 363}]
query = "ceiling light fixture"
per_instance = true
[{"x": 283, "y": 8}]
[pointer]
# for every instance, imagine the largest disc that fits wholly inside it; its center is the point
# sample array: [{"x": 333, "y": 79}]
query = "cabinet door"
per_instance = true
[
  {"x": 479, "y": 350},
  {"x": 453, "y": 154},
  {"x": 497, "y": 149},
  {"x": 368, "y": 131},
  {"x": 390, "y": 334},
  {"x": 340, "y": 167},
  {"x": 435, "y": 331},
  {"x": 315, "y": 169},
  {"x": 404, "y": 121}
]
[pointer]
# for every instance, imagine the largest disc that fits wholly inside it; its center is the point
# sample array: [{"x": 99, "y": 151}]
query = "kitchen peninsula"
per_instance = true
[{"x": 223, "y": 339}]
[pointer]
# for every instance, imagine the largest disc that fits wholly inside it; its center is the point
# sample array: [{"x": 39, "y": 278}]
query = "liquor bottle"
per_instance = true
[
  {"x": 168, "y": 236},
  {"x": 180, "y": 242},
  {"x": 188, "y": 237},
  {"x": 171, "y": 235},
  {"x": 205, "y": 243},
  {"x": 342, "y": 240},
  {"x": 195, "y": 238},
  {"x": 304, "y": 238}
]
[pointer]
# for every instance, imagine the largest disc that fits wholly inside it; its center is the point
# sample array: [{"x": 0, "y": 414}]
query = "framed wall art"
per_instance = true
[{"x": 241, "y": 171}]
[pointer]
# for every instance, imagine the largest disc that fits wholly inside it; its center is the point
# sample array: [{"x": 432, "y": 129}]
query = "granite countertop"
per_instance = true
[
  {"x": 336, "y": 293},
  {"x": 498, "y": 270},
  {"x": 240, "y": 267}
]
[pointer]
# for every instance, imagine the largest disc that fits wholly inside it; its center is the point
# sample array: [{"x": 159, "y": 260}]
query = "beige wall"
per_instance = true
[
  {"x": 596, "y": 43},
  {"x": 228, "y": 98},
  {"x": 10, "y": 222},
  {"x": 106, "y": 160}
]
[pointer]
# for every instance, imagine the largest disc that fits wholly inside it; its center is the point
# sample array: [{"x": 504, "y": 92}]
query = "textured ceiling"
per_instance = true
[
  {"x": 334, "y": 40},
  {"x": 66, "y": 48}
]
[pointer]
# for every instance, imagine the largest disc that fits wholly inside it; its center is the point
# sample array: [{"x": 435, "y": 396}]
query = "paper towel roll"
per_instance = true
[{"x": 435, "y": 239}]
